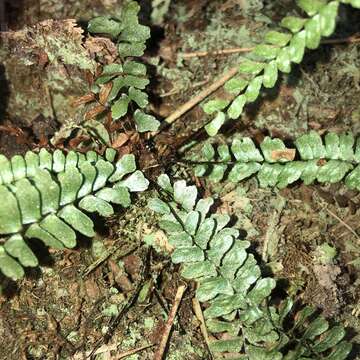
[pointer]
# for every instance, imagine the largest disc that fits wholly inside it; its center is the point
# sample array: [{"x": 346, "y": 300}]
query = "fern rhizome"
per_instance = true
[{"x": 49, "y": 196}]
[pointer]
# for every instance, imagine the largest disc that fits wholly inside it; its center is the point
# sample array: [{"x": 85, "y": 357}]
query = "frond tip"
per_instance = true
[
  {"x": 45, "y": 196},
  {"x": 128, "y": 78}
]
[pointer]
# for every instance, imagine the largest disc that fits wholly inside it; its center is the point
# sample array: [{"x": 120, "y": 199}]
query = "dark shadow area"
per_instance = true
[
  {"x": 4, "y": 93},
  {"x": 41, "y": 251},
  {"x": 13, "y": 14},
  {"x": 9, "y": 287}
]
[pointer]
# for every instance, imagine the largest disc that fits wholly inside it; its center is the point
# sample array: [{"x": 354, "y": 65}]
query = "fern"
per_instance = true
[
  {"x": 330, "y": 160},
  {"x": 276, "y": 54},
  {"x": 127, "y": 78},
  {"x": 230, "y": 284},
  {"x": 44, "y": 196}
]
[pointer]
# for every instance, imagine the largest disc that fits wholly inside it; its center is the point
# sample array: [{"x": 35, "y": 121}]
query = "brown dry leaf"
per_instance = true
[
  {"x": 288, "y": 154},
  {"x": 326, "y": 275},
  {"x": 12, "y": 130},
  {"x": 120, "y": 140},
  {"x": 235, "y": 201},
  {"x": 43, "y": 59},
  {"x": 104, "y": 93},
  {"x": 161, "y": 240},
  {"x": 96, "y": 110},
  {"x": 321, "y": 162},
  {"x": 230, "y": 4},
  {"x": 83, "y": 100},
  {"x": 74, "y": 143},
  {"x": 133, "y": 265},
  {"x": 102, "y": 46},
  {"x": 120, "y": 276},
  {"x": 92, "y": 289}
]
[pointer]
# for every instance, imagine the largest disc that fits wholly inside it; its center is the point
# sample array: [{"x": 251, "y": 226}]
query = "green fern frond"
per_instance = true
[
  {"x": 230, "y": 285},
  {"x": 328, "y": 160},
  {"x": 45, "y": 196},
  {"x": 127, "y": 78},
  {"x": 276, "y": 54}
]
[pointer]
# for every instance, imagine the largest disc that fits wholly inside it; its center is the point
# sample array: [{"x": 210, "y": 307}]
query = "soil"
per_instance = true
[{"x": 114, "y": 292}]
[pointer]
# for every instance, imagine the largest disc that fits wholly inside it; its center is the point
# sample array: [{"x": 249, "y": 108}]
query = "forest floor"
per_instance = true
[{"x": 114, "y": 292}]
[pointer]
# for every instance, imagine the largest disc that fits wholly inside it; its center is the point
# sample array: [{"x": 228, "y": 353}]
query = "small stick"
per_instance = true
[
  {"x": 349, "y": 40},
  {"x": 343, "y": 223},
  {"x": 179, "y": 294},
  {"x": 133, "y": 351},
  {"x": 236, "y": 50},
  {"x": 201, "y": 96},
  {"x": 199, "y": 315}
]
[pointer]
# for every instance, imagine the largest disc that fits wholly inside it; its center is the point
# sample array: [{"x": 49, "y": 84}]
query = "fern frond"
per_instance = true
[
  {"x": 328, "y": 160},
  {"x": 45, "y": 196},
  {"x": 127, "y": 78},
  {"x": 230, "y": 285},
  {"x": 276, "y": 54}
]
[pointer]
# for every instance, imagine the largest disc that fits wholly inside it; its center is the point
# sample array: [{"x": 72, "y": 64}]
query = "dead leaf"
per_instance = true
[
  {"x": 74, "y": 143},
  {"x": 92, "y": 289},
  {"x": 321, "y": 162},
  {"x": 120, "y": 277},
  {"x": 96, "y": 110},
  {"x": 83, "y": 100},
  {"x": 104, "y": 93},
  {"x": 133, "y": 265},
  {"x": 121, "y": 139},
  {"x": 101, "y": 46},
  {"x": 288, "y": 154},
  {"x": 160, "y": 239}
]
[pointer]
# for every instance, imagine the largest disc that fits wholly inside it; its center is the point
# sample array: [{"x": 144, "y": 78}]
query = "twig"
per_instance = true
[
  {"x": 102, "y": 349},
  {"x": 236, "y": 50},
  {"x": 115, "y": 321},
  {"x": 179, "y": 294},
  {"x": 201, "y": 96},
  {"x": 231, "y": 73},
  {"x": 133, "y": 351},
  {"x": 349, "y": 40},
  {"x": 343, "y": 223},
  {"x": 200, "y": 317}
]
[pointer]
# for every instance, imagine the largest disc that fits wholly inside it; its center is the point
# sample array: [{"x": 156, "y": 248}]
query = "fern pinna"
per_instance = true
[
  {"x": 327, "y": 160},
  {"x": 44, "y": 196},
  {"x": 239, "y": 313}
]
